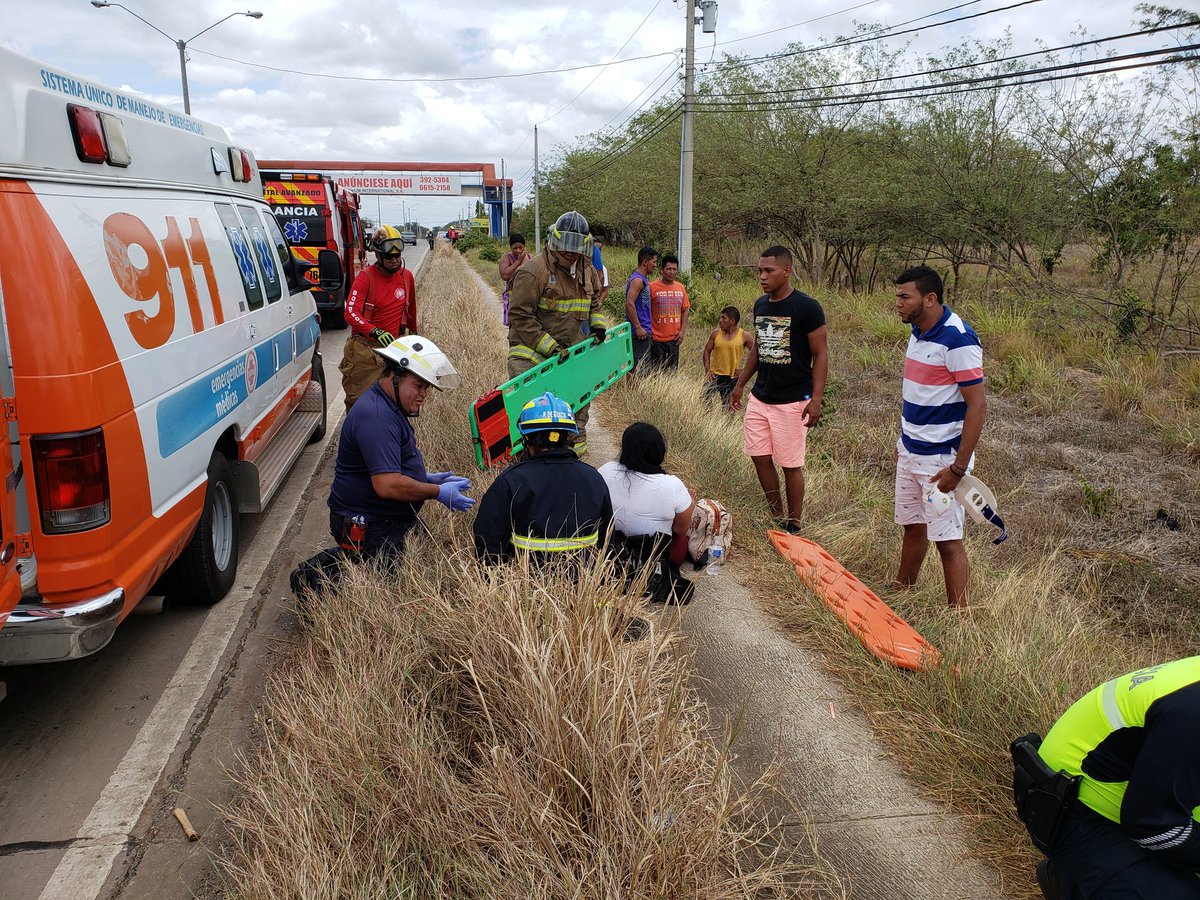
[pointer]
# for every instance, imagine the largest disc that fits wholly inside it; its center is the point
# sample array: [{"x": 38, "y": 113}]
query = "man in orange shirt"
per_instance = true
[{"x": 668, "y": 316}]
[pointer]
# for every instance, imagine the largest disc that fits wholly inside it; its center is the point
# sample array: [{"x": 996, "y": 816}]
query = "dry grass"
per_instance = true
[
  {"x": 451, "y": 731},
  {"x": 1067, "y": 602}
]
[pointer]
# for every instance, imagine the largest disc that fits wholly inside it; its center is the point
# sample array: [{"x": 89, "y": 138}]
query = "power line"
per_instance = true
[
  {"x": 615, "y": 55},
  {"x": 659, "y": 93},
  {"x": 672, "y": 64},
  {"x": 665, "y": 120},
  {"x": 941, "y": 90},
  {"x": 839, "y": 13},
  {"x": 455, "y": 78},
  {"x": 888, "y": 32},
  {"x": 957, "y": 68}
]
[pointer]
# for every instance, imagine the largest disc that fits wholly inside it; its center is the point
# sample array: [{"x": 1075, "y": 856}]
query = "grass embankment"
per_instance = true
[
  {"x": 1093, "y": 452},
  {"x": 449, "y": 731}
]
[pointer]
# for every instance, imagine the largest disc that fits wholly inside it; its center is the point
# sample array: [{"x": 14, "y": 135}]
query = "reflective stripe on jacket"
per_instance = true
[
  {"x": 547, "y": 303},
  {"x": 548, "y": 503}
]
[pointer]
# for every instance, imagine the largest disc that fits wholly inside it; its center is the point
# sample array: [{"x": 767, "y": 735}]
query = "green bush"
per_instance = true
[
  {"x": 473, "y": 239},
  {"x": 490, "y": 252}
]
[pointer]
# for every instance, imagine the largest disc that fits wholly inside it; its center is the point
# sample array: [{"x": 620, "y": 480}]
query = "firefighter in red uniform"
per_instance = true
[{"x": 382, "y": 307}]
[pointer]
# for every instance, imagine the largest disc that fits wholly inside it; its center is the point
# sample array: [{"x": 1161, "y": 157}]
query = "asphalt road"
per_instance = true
[{"x": 95, "y": 753}]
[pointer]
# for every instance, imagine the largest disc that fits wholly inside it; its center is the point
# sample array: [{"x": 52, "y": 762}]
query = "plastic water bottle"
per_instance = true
[{"x": 716, "y": 556}]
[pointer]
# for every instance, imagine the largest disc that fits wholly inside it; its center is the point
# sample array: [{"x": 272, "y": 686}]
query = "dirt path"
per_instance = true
[{"x": 884, "y": 839}]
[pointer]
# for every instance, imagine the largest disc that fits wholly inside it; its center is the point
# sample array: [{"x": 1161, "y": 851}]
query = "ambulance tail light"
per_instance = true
[
  {"x": 240, "y": 164},
  {"x": 71, "y": 471},
  {"x": 88, "y": 132},
  {"x": 99, "y": 137}
]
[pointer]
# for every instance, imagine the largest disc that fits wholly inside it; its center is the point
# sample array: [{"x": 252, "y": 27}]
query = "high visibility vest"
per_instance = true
[{"x": 1117, "y": 704}]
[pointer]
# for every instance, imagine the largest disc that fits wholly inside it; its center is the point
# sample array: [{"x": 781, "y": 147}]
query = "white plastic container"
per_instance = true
[{"x": 716, "y": 556}]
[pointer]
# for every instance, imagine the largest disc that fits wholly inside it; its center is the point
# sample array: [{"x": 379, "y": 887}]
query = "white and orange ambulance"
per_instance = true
[{"x": 159, "y": 357}]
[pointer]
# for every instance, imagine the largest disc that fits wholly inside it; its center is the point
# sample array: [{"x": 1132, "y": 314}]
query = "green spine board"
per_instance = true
[{"x": 589, "y": 371}]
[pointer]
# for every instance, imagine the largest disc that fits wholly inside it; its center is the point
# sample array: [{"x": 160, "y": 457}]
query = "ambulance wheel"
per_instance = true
[
  {"x": 205, "y": 570},
  {"x": 318, "y": 375}
]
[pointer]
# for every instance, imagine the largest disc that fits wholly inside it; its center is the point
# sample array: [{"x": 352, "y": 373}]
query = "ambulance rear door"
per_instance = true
[{"x": 11, "y": 473}]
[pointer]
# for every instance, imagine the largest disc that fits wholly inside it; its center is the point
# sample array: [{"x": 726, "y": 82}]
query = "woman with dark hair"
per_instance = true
[{"x": 648, "y": 504}]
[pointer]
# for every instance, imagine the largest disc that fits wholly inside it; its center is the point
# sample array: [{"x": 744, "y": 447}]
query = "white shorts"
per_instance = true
[{"x": 912, "y": 474}]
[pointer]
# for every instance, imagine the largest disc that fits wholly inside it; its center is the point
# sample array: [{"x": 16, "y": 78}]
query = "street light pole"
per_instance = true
[{"x": 180, "y": 45}]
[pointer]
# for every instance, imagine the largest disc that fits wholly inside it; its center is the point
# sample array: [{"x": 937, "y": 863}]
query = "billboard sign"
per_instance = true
[{"x": 423, "y": 184}]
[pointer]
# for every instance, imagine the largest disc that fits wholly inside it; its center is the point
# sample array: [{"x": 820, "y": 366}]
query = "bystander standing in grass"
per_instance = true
[
  {"x": 723, "y": 353},
  {"x": 516, "y": 257},
  {"x": 668, "y": 316},
  {"x": 637, "y": 302},
  {"x": 791, "y": 360},
  {"x": 944, "y": 407}
]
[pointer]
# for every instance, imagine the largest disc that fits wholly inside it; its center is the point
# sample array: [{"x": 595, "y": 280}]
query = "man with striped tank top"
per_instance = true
[{"x": 942, "y": 417}]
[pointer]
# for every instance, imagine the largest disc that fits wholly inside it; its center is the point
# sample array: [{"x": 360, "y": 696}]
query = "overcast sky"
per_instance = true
[{"x": 283, "y": 115}]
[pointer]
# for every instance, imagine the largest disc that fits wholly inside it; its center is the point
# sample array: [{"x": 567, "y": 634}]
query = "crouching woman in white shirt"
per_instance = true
[{"x": 651, "y": 509}]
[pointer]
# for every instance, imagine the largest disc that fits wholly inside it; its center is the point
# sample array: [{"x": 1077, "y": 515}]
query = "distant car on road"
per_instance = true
[{"x": 408, "y": 237}]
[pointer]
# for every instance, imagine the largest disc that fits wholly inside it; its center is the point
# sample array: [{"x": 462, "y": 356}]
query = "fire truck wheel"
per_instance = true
[
  {"x": 205, "y": 570},
  {"x": 334, "y": 318}
]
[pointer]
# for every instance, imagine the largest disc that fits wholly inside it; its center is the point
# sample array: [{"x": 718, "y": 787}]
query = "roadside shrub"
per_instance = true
[
  {"x": 490, "y": 252},
  {"x": 473, "y": 239}
]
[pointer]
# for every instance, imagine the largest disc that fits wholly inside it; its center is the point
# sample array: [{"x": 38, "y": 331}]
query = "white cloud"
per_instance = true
[{"x": 294, "y": 116}]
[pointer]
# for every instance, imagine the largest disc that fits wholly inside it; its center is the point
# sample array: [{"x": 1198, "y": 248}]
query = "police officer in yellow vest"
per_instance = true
[
  {"x": 552, "y": 295},
  {"x": 1130, "y": 822}
]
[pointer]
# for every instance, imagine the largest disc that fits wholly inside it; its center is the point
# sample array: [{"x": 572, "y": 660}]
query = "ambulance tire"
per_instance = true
[
  {"x": 318, "y": 374},
  {"x": 205, "y": 570}
]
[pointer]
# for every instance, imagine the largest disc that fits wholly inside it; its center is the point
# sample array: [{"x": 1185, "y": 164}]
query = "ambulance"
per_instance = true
[
  {"x": 160, "y": 365},
  {"x": 316, "y": 213}
]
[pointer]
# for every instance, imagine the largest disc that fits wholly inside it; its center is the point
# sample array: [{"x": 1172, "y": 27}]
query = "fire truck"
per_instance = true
[{"x": 316, "y": 214}]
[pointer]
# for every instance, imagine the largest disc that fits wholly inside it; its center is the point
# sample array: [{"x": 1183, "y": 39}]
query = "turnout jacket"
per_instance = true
[
  {"x": 547, "y": 304},
  {"x": 549, "y": 503},
  {"x": 1136, "y": 742}
]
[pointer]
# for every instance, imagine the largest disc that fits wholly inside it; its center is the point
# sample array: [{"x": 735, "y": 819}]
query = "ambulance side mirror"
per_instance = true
[{"x": 329, "y": 269}]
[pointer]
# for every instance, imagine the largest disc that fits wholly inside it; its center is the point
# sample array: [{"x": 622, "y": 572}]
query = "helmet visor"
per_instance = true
[
  {"x": 570, "y": 241},
  {"x": 391, "y": 247}
]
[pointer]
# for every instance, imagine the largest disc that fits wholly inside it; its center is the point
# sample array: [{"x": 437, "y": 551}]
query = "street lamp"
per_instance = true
[{"x": 181, "y": 44}]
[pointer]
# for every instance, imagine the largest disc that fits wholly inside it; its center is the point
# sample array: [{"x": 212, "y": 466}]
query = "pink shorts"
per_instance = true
[{"x": 775, "y": 430}]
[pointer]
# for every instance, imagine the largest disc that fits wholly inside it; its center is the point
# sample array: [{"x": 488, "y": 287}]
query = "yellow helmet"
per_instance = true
[{"x": 386, "y": 241}]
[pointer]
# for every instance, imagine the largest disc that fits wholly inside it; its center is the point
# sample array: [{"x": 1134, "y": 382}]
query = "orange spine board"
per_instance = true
[{"x": 869, "y": 619}]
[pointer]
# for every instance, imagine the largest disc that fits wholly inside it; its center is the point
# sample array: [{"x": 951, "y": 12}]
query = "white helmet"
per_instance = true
[
  {"x": 421, "y": 356},
  {"x": 980, "y": 504}
]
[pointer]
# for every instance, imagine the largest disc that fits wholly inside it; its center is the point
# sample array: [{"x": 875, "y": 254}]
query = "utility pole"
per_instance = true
[
  {"x": 687, "y": 148},
  {"x": 503, "y": 202},
  {"x": 537, "y": 199}
]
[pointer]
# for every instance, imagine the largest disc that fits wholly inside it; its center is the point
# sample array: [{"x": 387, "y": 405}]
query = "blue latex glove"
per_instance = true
[
  {"x": 451, "y": 495},
  {"x": 443, "y": 477}
]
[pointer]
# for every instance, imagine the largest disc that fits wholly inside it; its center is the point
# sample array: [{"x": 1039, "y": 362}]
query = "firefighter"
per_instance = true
[
  {"x": 550, "y": 502},
  {"x": 1112, "y": 795},
  {"x": 551, "y": 296},
  {"x": 380, "y": 480},
  {"x": 382, "y": 307}
]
